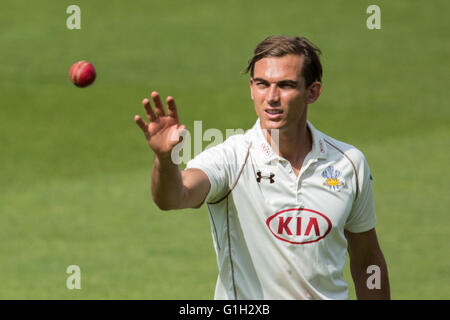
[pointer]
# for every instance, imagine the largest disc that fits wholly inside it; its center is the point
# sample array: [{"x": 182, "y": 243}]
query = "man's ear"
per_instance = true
[
  {"x": 251, "y": 88},
  {"x": 314, "y": 91}
]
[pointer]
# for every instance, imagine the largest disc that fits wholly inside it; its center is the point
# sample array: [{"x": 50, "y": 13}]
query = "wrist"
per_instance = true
[{"x": 164, "y": 159}]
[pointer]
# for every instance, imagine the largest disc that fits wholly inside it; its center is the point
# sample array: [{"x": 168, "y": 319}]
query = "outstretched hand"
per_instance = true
[{"x": 163, "y": 131}]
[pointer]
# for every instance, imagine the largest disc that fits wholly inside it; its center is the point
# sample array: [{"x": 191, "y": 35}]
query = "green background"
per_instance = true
[{"x": 74, "y": 167}]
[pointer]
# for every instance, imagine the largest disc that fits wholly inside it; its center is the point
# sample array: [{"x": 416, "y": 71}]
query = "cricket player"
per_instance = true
[{"x": 286, "y": 202}]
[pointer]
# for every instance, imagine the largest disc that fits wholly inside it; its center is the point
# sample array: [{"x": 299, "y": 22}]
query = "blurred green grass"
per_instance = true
[{"x": 74, "y": 168}]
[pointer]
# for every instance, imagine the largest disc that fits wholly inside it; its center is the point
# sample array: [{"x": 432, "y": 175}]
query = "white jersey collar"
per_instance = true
[{"x": 266, "y": 153}]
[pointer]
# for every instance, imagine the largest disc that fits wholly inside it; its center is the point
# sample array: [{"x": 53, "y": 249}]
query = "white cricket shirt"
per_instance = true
[{"x": 278, "y": 235}]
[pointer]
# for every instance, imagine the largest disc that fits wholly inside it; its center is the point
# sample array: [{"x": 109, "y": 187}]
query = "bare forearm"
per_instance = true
[
  {"x": 371, "y": 279},
  {"x": 171, "y": 188},
  {"x": 167, "y": 185}
]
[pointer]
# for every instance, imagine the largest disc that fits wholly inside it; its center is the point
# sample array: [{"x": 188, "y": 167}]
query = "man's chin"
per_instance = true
[{"x": 270, "y": 124}]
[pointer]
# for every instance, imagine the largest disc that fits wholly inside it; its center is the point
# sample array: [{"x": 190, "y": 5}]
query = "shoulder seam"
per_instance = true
[{"x": 237, "y": 179}]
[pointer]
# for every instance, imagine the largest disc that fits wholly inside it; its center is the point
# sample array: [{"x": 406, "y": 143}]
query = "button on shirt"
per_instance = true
[{"x": 278, "y": 235}]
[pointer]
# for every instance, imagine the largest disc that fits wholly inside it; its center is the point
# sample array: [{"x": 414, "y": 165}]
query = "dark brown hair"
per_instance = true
[{"x": 279, "y": 46}]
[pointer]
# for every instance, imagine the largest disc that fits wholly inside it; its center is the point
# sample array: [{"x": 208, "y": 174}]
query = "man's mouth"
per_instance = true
[{"x": 273, "y": 113}]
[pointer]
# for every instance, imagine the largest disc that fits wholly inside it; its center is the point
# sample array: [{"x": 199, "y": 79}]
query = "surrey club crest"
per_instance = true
[{"x": 332, "y": 180}]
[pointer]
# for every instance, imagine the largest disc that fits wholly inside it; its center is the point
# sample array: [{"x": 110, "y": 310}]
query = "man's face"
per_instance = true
[{"x": 278, "y": 92}]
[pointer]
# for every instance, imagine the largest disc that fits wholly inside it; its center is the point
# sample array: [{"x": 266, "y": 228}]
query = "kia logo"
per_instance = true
[{"x": 299, "y": 225}]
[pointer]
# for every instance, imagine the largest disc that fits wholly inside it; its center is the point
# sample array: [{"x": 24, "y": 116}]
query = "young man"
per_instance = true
[{"x": 285, "y": 200}]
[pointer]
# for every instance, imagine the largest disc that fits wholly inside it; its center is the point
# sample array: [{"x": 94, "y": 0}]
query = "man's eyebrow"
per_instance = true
[
  {"x": 288, "y": 82},
  {"x": 282, "y": 82},
  {"x": 260, "y": 80}
]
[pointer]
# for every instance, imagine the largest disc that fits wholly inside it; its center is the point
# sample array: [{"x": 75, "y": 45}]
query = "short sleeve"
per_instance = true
[
  {"x": 214, "y": 163},
  {"x": 362, "y": 216}
]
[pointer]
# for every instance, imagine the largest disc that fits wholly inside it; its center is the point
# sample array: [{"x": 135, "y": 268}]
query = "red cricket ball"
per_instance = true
[{"x": 82, "y": 74}]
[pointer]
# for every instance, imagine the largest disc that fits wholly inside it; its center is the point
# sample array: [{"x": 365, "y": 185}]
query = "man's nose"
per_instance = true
[{"x": 273, "y": 96}]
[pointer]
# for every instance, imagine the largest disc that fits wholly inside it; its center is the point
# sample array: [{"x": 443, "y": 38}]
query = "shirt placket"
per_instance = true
[{"x": 309, "y": 163}]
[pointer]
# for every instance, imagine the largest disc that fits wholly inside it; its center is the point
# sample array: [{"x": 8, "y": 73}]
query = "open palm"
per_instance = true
[{"x": 163, "y": 131}]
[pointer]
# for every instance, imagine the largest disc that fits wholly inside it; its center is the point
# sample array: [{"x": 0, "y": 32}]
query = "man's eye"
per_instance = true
[{"x": 261, "y": 84}]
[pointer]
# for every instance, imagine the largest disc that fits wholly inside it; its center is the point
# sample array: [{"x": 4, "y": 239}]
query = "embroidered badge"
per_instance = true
[
  {"x": 265, "y": 149},
  {"x": 322, "y": 148},
  {"x": 332, "y": 178}
]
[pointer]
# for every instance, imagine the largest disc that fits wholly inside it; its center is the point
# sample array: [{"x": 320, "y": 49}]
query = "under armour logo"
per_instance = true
[{"x": 260, "y": 176}]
